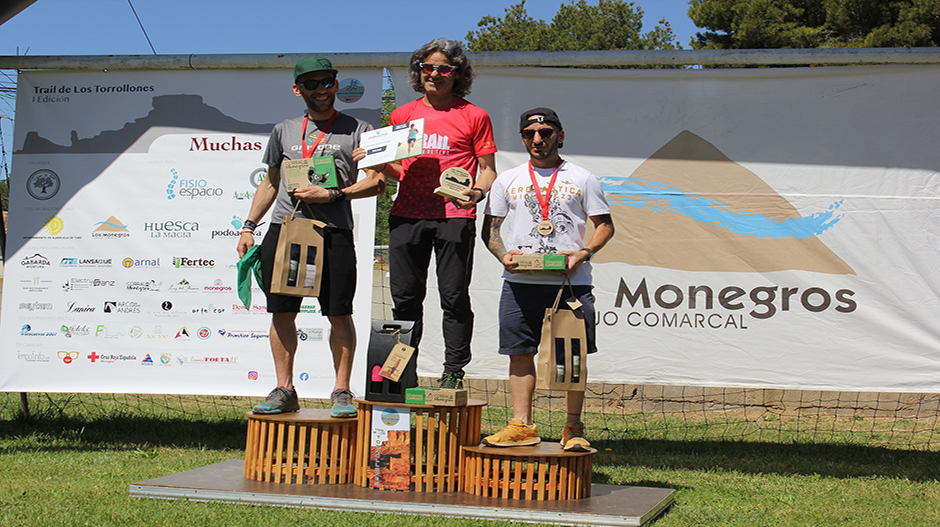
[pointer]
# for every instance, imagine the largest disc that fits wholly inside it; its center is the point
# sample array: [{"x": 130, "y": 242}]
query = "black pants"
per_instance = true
[{"x": 410, "y": 244}]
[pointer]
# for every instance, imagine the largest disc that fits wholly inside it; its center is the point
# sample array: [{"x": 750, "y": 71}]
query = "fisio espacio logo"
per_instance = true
[{"x": 191, "y": 188}]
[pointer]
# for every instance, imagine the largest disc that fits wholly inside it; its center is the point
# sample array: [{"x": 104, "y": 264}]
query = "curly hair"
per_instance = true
[{"x": 454, "y": 53}]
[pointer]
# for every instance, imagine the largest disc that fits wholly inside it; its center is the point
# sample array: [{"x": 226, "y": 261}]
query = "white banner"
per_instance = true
[
  {"x": 776, "y": 228},
  {"x": 128, "y": 192}
]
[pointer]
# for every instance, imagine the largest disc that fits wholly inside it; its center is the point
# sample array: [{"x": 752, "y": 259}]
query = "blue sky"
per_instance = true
[{"x": 109, "y": 27}]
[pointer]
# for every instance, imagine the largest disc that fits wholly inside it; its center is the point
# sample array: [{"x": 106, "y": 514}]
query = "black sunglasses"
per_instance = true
[
  {"x": 312, "y": 84},
  {"x": 443, "y": 69},
  {"x": 544, "y": 133}
]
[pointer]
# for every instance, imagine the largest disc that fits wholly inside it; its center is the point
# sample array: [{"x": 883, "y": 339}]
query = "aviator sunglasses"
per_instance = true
[
  {"x": 443, "y": 69},
  {"x": 312, "y": 84},
  {"x": 544, "y": 133}
]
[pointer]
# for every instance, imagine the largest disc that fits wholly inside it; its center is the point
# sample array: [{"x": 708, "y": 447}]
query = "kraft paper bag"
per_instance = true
[
  {"x": 562, "y": 360},
  {"x": 298, "y": 263}
]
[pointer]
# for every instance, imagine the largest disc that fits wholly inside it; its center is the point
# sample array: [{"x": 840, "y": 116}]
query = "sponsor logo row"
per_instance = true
[
  {"x": 38, "y": 284},
  {"x": 114, "y": 229},
  {"x": 44, "y": 184},
  {"x": 159, "y": 308},
  {"x": 146, "y": 359},
  {"x": 158, "y": 332},
  {"x": 40, "y": 261}
]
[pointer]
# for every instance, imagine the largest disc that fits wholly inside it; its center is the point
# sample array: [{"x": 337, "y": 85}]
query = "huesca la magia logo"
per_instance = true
[{"x": 689, "y": 207}]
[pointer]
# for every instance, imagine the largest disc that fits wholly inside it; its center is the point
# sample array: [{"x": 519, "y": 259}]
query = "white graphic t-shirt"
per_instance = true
[{"x": 577, "y": 194}]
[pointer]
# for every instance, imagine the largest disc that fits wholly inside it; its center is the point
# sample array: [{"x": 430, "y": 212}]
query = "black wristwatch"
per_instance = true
[
  {"x": 590, "y": 254},
  {"x": 482, "y": 193}
]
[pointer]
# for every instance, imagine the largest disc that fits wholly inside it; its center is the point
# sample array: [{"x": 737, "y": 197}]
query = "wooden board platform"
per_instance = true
[{"x": 225, "y": 482}]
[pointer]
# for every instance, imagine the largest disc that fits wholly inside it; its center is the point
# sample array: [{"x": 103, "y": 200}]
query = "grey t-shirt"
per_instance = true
[{"x": 339, "y": 141}]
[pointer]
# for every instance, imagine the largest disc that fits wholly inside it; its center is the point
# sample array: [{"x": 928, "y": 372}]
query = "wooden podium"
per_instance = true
[
  {"x": 540, "y": 472},
  {"x": 437, "y": 435},
  {"x": 305, "y": 447},
  {"x": 443, "y": 454}
]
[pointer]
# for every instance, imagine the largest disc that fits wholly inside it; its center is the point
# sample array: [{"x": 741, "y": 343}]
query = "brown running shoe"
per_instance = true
[
  {"x": 516, "y": 434},
  {"x": 572, "y": 438}
]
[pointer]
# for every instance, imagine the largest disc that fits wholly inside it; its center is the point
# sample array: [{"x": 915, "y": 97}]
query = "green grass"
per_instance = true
[{"x": 71, "y": 464}]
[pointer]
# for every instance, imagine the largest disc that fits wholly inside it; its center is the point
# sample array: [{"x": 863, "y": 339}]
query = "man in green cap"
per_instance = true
[{"x": 322, "y": 132}]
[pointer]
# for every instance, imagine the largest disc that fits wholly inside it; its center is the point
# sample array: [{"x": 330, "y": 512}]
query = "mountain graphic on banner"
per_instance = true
[
  {"x": 112, "y": 224},
  {"x": 169, "y": 111},
  {"x": 182, "y": 113},
  {"x": 690, "y": 207}
]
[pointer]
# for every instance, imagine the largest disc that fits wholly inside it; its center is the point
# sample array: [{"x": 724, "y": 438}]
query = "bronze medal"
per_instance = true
[{"x": 545, "y": 227}]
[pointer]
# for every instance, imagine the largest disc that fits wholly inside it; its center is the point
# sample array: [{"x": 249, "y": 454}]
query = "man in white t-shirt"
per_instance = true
[{"x": 542, "y": 207}]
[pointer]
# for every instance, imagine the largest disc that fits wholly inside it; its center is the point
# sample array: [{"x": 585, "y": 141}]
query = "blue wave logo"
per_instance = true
[
  {"x": 111, "y": 224},
  {"x": 639, "y": 194}
]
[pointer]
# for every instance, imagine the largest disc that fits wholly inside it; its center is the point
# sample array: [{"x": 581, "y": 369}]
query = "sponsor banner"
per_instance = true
[
  {"x": 775, "y": 228},
  {"x": 120, "y": 273}
]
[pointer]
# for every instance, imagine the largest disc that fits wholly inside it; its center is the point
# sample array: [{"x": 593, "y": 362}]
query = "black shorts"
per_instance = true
[
  {"x": 522, "y": 310},
  {"x": 338, "y": 284}
]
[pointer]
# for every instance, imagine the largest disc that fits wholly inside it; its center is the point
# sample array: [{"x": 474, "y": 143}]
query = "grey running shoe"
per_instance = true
[
  {"x": 342, "y": 401},
  {"x": 280, "y": 400},
  {"x": 453, "y": 381}
]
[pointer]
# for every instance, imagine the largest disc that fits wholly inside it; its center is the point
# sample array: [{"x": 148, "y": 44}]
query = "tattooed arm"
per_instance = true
[
  {"x": 603, "y": 232},
  {"x": 494, "y": 242}
]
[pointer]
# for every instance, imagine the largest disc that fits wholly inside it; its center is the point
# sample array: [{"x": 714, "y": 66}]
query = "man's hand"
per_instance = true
[
  {"x": 573, "y": 260},
  {"x": 471, "y": 201},
  {"x": 312, "y": 194},
  {"x": 359, "y": 154},
  {"x": 508, "y": 262},
  {"x": 245, "y": 242}
]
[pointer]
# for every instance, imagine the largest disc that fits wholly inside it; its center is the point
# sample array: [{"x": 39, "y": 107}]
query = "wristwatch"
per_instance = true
[{"x": 590, "y": 254}]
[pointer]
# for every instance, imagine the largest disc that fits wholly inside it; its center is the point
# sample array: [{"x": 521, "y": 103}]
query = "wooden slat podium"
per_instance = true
[
  {"x": 540, "y": 472},
  {"x": 437, "y": 435},
  {"x": 310, "y": 447},
  {"x": 305, "y": 447}
]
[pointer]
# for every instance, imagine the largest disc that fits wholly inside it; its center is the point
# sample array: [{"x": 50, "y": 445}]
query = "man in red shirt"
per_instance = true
[{"x": 456, "y": 134}]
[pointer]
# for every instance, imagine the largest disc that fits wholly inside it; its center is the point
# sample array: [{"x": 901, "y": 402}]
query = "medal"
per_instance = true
[{"x": 545, "y": 227}]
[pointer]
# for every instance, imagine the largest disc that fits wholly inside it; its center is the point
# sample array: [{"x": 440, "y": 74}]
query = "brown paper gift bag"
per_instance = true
[
  {"x": 562, "y": 360},
  {"x": 298, "y": 263}
]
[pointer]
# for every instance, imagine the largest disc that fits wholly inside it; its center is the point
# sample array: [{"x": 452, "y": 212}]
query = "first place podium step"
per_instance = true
[{"x": 429, "y": 459}]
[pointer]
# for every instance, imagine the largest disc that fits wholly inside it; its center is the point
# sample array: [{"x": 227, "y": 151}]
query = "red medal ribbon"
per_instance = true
[
  {"x": 548, "y": 191},
  {"x": 303, "y": 133}
]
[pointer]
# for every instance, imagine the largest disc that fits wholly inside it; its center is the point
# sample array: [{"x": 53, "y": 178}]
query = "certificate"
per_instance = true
[{"x": 392, "y": 143}]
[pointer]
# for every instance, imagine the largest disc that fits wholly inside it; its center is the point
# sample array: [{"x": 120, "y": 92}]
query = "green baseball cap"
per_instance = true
[{"x": 313, "y": 63}]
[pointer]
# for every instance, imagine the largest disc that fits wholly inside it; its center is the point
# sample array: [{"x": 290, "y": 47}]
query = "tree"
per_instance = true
[
  {"x": 769, "y": 24},
  {"x": 384, "y": 201},
  {"x": 609, "y": 25}
]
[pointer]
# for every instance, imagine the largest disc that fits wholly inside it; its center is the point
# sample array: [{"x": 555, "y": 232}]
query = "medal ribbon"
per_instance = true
[
  {"x": 303, "y": 133},
  {"x": 548, "y": 191}
]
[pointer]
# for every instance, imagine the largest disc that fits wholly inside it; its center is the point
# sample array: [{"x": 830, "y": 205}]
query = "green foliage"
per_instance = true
[
  {"x": 578, "y": 26},
  {"x": 383, "y": 206},
  {"x": 5, "y": 194},
  {"x": 771, "y": 24},
  {"x": 384, "y": 201}
]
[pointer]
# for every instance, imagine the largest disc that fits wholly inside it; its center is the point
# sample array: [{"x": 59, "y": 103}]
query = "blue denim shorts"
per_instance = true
[{"x": 522, "y": 309}]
